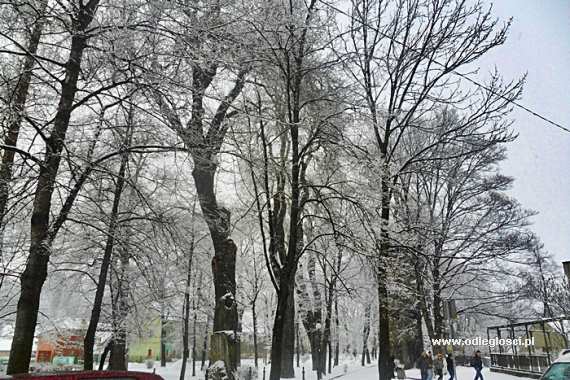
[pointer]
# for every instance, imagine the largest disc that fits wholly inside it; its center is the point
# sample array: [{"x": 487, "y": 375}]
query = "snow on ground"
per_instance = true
[{"x": 353, "y": 372}]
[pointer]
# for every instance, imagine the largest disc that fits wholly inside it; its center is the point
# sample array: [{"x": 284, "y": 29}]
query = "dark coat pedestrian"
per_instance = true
[
  {"x": 477, "y": 363},
  {"x": 450, "y": 366}
]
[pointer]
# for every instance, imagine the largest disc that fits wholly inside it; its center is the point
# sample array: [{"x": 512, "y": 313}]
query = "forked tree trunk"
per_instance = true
[
  {"x": 204, "y": 149},
  {"x": 35, "y": 272}
]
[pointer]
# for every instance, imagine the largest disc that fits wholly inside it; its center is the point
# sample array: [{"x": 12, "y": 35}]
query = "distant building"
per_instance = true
[
  {"x": 64, "y": 339},
  {"x": 146, "y": 343}
]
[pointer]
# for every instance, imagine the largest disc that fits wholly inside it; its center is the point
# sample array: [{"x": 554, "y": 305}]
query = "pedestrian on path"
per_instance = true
[
  {"x": 450, "y": 366},
  {"x": 438, "y": 366},
  {"x": 423, "y": 365},
  {"x": 477, "y": 363},
  {"x": 430, "y": 366}
]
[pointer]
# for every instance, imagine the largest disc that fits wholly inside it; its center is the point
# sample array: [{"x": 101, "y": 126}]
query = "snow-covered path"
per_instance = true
[{"x": 353, "y": 372}]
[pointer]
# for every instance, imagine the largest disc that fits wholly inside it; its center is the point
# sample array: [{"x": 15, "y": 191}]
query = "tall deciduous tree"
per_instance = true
[{"x": 35, "y": 273}]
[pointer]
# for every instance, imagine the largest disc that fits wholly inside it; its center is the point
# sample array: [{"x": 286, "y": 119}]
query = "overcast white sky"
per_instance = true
[{"x": 539, "y": 44}]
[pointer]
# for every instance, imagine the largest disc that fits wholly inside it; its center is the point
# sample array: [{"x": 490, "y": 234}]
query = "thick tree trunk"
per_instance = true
[
  {"x": 278, "y": 327},
  {"x": 223, "y": 262},
  {"x": 89, "y": 340},
  {"x": 288, "y": 346},
  {"x": 16, "y": 111},
  {"x": 35, "y": 272},
  {"x": 118, "y": 357}
]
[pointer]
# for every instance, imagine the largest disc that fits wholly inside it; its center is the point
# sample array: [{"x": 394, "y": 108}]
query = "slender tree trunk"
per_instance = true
[
  {"x": 16, "y": 111},
  {"x": 185, "y": 331},
  {"x": 118, "y": 357},
  {"x": 329, "y": 296},
  {"x": 205, "y": 343},
  {"x": 106, "y": 351},
  {"x": 438, "y": 320},
  {"x": 254, "y": 316},
  {"x": 194, "y": 340},
  {"x": 365, "y": 334},
  {"x": 419, "y": 337},
  {"x": 35, "y": 272},
  {"x": 163, "y": 323},
  {"x": 186, "y": 316},
  {"x": 89, "y": 340},
  {"x": 421, "y": 294},
  {"x": 384, "y": 351},
  {"x": 330, "y": 357},
  {"x": 337, "y": 341},
  {"x": 298, "y": 339}
]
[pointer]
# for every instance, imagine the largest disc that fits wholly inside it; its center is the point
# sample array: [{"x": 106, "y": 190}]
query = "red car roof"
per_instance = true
[{"x": 78, "y": 375}]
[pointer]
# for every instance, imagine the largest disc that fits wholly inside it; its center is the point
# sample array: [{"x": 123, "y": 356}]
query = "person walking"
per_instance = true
[
  {"x": 450, "y": 366},
  {"x": 430, "y": 366},
  {"x": 438, "y": 366},
  {"x": 477, "y": 363},
  {"x": 423, "y": 365}
]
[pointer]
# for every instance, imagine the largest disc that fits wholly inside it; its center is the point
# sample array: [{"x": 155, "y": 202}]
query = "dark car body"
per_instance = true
[{"x": 86, "y": 375}]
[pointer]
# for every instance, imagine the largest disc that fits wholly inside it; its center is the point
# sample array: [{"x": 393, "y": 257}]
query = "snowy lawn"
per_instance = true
[{"x": 353, "y": 372}]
